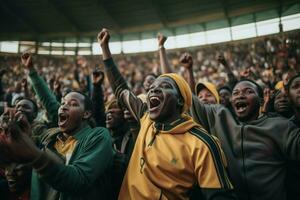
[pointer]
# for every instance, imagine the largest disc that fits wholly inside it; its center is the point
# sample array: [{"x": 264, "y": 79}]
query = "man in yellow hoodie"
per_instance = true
[{"x": 172, "y": 155}]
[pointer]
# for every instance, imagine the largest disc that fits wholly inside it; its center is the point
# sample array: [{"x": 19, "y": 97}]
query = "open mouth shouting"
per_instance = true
[
  {"x": 62, "y": 119},
  {"x": 240, "y": 107},
  {"x": 154, "y": 103}
]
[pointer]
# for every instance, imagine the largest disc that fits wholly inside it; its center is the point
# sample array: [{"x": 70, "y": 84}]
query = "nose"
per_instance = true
[
  {"x": 155, "y": 90},
  {"x": 64, "y": 106}
]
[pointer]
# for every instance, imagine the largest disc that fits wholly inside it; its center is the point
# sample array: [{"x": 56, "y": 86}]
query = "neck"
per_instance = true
[
  {"x": 169, "y": 119},
  {"x": 250, "y": 118},
  {"x": 75, "y": 130}
]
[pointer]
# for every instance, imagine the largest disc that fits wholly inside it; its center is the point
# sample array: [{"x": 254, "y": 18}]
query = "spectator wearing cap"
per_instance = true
[{"x": 207, "y": 93}]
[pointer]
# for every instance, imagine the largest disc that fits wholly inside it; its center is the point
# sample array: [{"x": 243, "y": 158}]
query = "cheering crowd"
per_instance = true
[{"x": 219, "y": 122}]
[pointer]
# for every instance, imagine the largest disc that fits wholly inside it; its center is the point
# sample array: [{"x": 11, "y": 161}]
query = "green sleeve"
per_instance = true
[
  {"x": 94, "y": 159},
  {"x": 45, "y": 95}
]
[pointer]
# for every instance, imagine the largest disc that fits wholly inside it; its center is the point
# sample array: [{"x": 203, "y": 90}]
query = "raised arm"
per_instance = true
[
  {"x": 231, "y": 77},
  {"x": 97, "y": 98},
  {"x": 164, "y": 64},
  {"x": 41, "y": 88},
  {"x": 117, "y": 82},
  {"x": 187, "y": 61}
]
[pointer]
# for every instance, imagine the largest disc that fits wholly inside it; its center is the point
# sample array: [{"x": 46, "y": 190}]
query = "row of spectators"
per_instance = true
[{"x": 217, "y": 122}]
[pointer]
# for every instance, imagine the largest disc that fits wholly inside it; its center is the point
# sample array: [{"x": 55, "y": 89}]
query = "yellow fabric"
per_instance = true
[
  {"x": 109, "y": 104},
  {"x": 184, "y": 89},
  {"x": 211, "y": 87},
  {"x": 143, "y": 97},
  {"x": 167, "y": 164},
  {"x": 279, "y": 85},
  {"x": 65, "y": 147}
]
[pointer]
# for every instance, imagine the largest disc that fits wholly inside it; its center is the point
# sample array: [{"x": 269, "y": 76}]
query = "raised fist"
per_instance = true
[
  {"x": 222, "y": 60},
  {"x": 186, "y": 60},
  {"x": 98, "y": 76},
  {"x": 26, "y": 59},
  {"x": 161, "y": 39},
  {"x": 103, "y": 37}
]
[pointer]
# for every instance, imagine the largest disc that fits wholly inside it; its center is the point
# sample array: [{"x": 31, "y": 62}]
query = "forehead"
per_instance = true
[
  {"x": 296, "y": 80},
  {"x": 245, "y": 84},
  {"x": 163, "y": 79},
  {"x": 224, "y": 91},
  {"x": 75, "y": 96}
]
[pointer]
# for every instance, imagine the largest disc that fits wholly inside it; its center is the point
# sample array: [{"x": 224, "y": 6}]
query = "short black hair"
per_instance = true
[
  {"x": 151, "y": 74},
  {"x": 225, "y": 87},
  {"x": 35, "y": 106},
  {"x": 88, "y": 105},
  {"x": 288, "y": 85},
  {"x": 259, "y": 88}
]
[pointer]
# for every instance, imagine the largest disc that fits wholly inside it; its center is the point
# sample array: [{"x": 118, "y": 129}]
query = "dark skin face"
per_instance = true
[
  {"x": 246, "y": 101},
  {"x": 18, "y": 177},
  {"x": 148, "y": 82},
  {"x": 225, "y": 96},
  {"x": 72, "y": 113},
  {"x": 162, "y": 100},
  {"x": 27, "y": 107},
  {"x": 206, "y": 96},
  {"x": 114, "y": 117},
  {"x": 294, "y": 95},
  {"x": 282, "y": 104}
]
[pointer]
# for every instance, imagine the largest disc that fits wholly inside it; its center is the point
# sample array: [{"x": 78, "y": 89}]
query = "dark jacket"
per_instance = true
[
  {"x": 293, "y": 173},
  {"x": 257, "y": 152}
]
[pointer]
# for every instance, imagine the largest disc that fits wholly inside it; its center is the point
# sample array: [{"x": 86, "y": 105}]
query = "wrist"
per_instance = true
[
  {"x": 161, "y": 46},
  {"x": 35, "y": 155}
]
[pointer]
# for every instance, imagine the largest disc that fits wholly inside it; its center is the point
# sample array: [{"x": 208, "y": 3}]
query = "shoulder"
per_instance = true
[
  {"x": 99, "y": 131},
  {"x": 203, "y": 138}
]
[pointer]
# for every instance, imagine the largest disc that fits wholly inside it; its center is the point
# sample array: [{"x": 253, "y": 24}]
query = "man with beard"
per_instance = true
[
  {"x": 172, "y": 153},
  {"x": 75, "y": 158}
]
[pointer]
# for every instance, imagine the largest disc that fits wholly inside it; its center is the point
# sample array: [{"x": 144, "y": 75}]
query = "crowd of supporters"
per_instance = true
[{"x": 211, "y": 122}]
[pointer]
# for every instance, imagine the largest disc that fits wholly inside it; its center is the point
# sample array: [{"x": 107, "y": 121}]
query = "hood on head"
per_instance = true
[{"x": 184, "y": 89}]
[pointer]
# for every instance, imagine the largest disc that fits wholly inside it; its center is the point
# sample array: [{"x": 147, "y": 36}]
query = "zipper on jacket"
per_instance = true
[
  {"x": 243, "y": 157},
  {"x": 153, "y": 139}
]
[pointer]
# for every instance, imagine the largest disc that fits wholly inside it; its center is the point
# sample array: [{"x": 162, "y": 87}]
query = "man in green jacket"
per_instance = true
[{"x": 75, "y": 158}]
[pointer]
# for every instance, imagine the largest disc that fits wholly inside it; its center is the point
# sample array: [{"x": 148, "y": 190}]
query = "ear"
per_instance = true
[{"x": 87, "y": 114}]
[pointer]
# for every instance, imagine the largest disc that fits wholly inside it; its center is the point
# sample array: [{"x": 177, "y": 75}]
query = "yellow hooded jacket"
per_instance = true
[{"x": 169, "y": 160}]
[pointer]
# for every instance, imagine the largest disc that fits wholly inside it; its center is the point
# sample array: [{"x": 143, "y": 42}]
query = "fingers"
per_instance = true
[
  {"x": 25, "y": 55},
  {"x": 103, "y": 36},
  {"x": 161, "y": 39}
]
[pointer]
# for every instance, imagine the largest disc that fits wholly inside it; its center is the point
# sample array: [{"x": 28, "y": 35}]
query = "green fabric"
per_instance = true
[
  {"x": 45, "y": 95},
  {"x": 87, "y": 174}
]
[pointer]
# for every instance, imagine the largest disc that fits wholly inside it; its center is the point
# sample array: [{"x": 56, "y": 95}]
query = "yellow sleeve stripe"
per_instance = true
[{"x": 216, "y": 154}]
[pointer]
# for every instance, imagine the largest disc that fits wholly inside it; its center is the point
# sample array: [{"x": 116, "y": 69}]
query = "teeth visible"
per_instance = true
[{"x": 154, "y": 99}]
